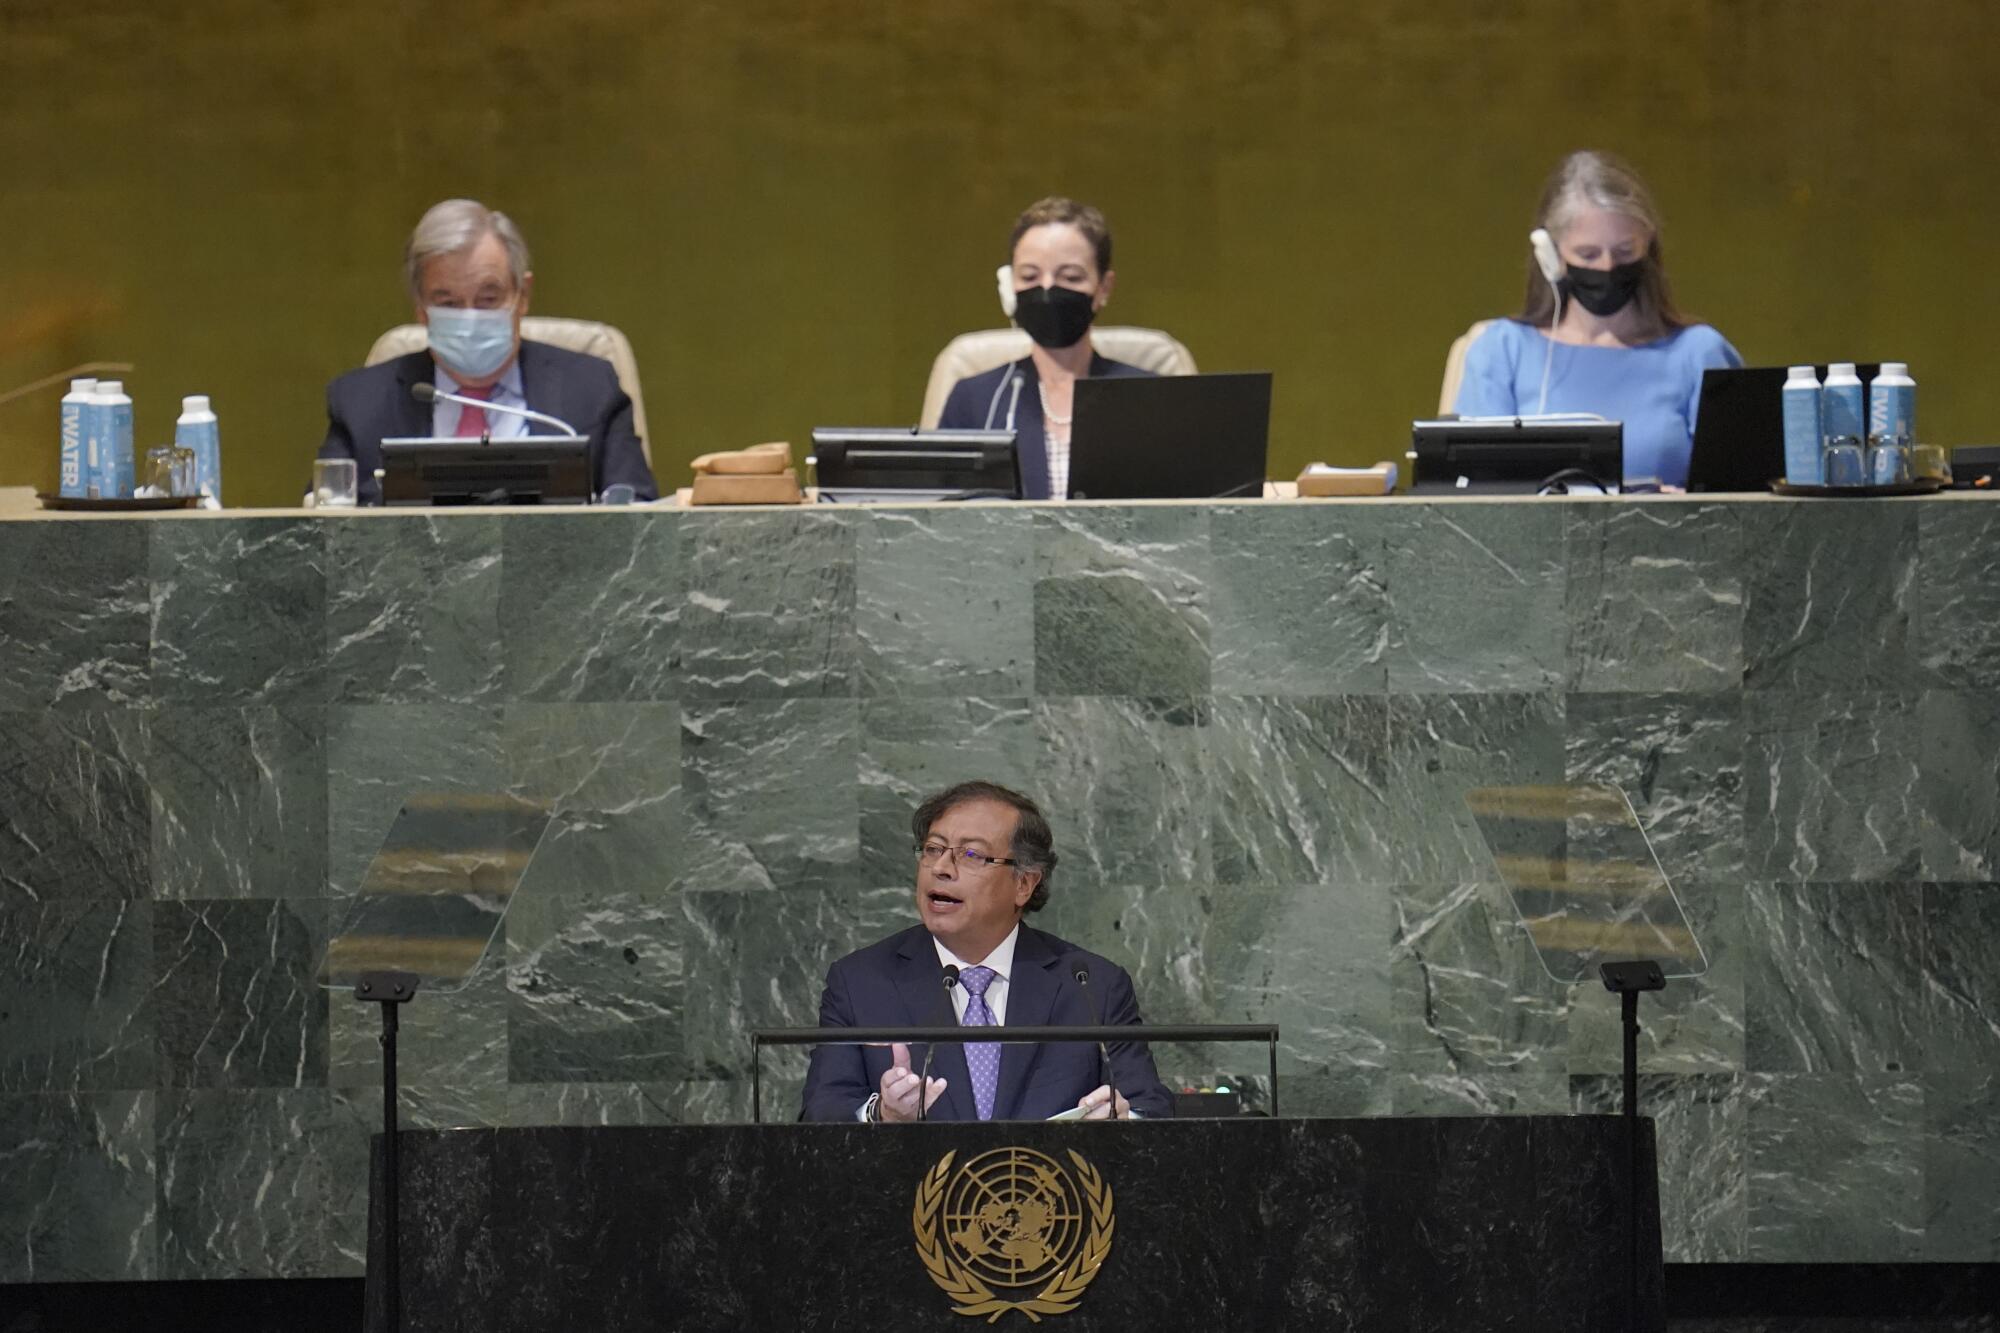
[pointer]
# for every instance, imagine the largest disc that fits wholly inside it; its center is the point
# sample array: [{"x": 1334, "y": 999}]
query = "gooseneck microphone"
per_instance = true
[
  {"x": 924, "y": 1079},
  {"x": 1081, "y": 972},
  {"x": 429, "y": 393}
]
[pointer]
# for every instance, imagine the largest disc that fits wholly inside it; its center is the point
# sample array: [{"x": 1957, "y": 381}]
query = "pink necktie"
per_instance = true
[{"x": 472, "y": 420}]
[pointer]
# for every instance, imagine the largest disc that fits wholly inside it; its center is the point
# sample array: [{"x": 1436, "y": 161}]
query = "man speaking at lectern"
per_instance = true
[{"x": 984, "y": 856}]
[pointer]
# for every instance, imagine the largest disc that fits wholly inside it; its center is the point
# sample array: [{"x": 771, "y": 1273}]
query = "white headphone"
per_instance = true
[
  {"x": 1544, "y": 247},
  {"x": 1004, "y": 276}
]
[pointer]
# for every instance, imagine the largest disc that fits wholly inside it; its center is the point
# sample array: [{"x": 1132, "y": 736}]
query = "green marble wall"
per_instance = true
[{"x": 1251, "y": 725}]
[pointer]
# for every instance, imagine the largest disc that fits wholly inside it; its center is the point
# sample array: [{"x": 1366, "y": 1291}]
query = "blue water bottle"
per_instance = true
[
  {"x": 196, "y": 430},
  {"x": 99, "y": 482},
  {"x": 117, "y": 472},
  {"x": 1802, "y": 427},
  {"x": 1892, "y": 403},
  {"x": 1841, "y": 411},
  {"x": 75, "y": 441}
]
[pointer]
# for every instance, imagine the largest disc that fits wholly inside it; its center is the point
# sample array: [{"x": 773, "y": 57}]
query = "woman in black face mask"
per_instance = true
[
  {"x": 1604, "y": 335},
  {"x": 1060, "y": 277}
]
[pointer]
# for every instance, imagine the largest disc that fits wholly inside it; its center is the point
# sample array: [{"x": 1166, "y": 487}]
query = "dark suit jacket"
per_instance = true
[
  {"x": 365, "y": 405},
  {"x": 973, "y": 397},
  {"x": 897, "y": 982}
]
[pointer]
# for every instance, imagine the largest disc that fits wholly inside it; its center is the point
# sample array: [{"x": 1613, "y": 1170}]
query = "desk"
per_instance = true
[
  {"x": 1252, "y": 723},
  {"x": 1291, "y": 1226}
]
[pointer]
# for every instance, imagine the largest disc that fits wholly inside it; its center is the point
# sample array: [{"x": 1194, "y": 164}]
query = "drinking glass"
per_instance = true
[
  {"x": 1888, "y": 460},
  {"x": 1929, "y": 462},
  {"x": 169, "y": 471},
  {"x": 333, "y": 483},
  {"x": 1844, "y": 463}
]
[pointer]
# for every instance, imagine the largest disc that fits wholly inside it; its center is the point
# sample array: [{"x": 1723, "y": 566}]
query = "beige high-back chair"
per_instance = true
[
  {"x": 575, "y": 335},
  {"x": 978, "y": 352},
  {"x": 1454, "y": 365}
]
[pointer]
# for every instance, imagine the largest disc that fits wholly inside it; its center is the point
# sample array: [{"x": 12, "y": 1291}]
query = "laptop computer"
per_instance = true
[
  {"x": 1739, "y": 431},
  {"x": 1171, "y": 437}
]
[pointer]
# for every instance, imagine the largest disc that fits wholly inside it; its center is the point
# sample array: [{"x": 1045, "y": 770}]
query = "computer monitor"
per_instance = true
[
  {"x": 1739, "y": 430},
  {"x": 862, "y": 465},
  {"x": 1516, "y": 455},
  {"x": 528, "y": 470},
  {"x": 1172, "y": 437}
]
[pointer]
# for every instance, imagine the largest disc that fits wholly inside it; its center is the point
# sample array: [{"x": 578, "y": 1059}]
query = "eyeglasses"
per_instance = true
[{"x": 969, "y": 858}]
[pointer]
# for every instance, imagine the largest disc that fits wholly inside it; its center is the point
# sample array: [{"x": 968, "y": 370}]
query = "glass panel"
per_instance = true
[
  {"x": 1585, "y": 879},
  {"x": 437, "y": 890}
]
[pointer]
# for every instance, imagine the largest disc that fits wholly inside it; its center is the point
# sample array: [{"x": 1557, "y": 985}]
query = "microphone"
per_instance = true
[
  {"x": 993, "y": 403},
  {"x": 427, "y": 393},
  {"x": 1081, "y": 972},
  {"x": 924, "y": 1079}
]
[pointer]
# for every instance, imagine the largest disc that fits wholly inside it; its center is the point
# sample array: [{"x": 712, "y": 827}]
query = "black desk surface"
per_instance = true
[{"x": 1404, "y": 1224}]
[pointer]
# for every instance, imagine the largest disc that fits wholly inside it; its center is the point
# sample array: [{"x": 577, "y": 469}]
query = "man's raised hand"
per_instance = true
[{"x": 899, "y": 1087}]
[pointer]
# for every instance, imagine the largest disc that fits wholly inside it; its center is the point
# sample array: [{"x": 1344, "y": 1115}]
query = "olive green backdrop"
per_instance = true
[{"x": 790, "y": 207}]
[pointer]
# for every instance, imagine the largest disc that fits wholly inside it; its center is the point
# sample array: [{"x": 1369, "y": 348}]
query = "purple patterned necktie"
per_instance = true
[{"x": 982, "y": 1058}]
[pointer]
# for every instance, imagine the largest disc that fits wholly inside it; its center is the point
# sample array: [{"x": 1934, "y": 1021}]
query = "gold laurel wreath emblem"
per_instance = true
[{"x": 974, "y": 1297}]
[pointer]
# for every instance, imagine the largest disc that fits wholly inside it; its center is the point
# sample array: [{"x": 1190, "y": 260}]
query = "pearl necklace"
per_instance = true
[{"x": 1048, "y": 415}]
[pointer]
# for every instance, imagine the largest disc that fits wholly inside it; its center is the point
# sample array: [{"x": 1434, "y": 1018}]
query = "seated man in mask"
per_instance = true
[{"x": 468, "y": 275}]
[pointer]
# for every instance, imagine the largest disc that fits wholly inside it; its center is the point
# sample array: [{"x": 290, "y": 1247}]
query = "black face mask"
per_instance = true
[
  {"x": 1054, "y": 316},
  {"x": 1604, "y": 291}
]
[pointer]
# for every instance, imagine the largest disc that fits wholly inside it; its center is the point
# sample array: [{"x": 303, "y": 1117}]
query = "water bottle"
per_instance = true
[
  {"x": 98, "y": 481},
  {"x": 197, "y": 430},
  {"x": 1802, "y": 428},
  {"x": 75, "y": 441},
  {"x": 1892, "y": 403},
  {"x": 1840, "y": 403},
  {"x": 117, "y": 471}
]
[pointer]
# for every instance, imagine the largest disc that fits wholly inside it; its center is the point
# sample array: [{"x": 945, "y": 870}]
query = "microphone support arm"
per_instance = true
[{"x": 426, "y": 393}]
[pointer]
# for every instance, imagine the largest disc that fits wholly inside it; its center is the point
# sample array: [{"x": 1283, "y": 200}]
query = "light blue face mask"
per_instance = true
[{"x": 471, "y": 343}]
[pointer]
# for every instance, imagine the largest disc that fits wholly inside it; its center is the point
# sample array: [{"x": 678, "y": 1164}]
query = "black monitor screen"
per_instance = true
[
  {"x": 1516, "y": 456},
  {"x": 533, "y": 469},
  {"x": 877, "y": 465}
]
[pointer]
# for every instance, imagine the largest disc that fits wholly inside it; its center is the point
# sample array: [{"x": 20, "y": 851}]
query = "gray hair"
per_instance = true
[{"x": 457, "y": 225}]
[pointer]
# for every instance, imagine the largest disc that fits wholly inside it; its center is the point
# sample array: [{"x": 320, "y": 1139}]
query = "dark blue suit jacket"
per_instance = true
[
  {"x": 897, "y": 982},
  {"x": 363, "y": 406},
  {"x": 979, "y": 402}
]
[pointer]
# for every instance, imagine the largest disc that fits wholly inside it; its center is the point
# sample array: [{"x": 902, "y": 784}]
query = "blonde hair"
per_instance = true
[{"x": 1601, "y": 180}]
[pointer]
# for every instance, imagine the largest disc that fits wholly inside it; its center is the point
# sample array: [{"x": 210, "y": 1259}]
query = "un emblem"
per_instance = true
[{"x": 1015, "y": 1220}]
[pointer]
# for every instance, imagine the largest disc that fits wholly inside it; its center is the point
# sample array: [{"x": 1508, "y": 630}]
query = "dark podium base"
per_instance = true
[{"x": 1458, "y": 1224}]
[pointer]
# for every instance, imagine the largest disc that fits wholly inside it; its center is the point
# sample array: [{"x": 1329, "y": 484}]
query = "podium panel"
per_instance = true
[{"x": 1410, "y": 1224}]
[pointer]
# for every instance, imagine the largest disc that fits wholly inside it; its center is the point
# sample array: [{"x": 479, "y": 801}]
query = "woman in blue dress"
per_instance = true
[{"x": 1599, "y": 331}]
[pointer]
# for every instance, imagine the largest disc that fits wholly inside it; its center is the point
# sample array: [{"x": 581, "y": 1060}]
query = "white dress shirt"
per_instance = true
[
  {"x": 1058, "y": 461},
  {"x": 1001, "y": 960}
]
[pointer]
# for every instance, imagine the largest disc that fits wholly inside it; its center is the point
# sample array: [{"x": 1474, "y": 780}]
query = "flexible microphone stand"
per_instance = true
[
  {"x": 930, "y": 1048},
  {"x": 1082, "y": 975},
  {"x": 428, "y": 393}
]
